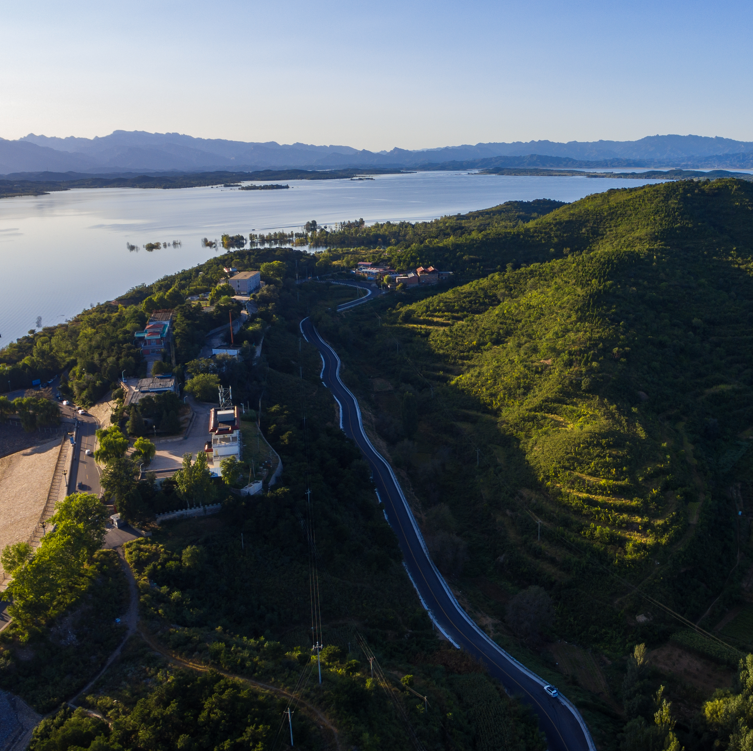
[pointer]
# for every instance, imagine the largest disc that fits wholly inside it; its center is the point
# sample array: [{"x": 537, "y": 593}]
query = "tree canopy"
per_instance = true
[
  {"x": 204, "y": 387},
  {"x": 112, "y": 445},
  {"x": 49, "y": 581}
]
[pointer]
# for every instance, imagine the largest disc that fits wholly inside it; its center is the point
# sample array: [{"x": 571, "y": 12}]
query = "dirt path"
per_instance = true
[
  {"x": 309, "y": 709},
  {"x": 132, "y": 621}
]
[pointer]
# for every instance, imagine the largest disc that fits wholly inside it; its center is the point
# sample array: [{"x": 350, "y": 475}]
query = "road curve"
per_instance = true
[
  {"x": 371, "y": 293},
  {"x": 559, "y": 719}
]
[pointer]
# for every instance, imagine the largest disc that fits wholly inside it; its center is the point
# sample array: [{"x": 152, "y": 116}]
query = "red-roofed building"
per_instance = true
[{"x": 154, "y": 338}]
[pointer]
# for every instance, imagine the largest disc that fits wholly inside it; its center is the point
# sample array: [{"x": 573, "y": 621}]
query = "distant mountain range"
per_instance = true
[{"x": 137, "y": 151}]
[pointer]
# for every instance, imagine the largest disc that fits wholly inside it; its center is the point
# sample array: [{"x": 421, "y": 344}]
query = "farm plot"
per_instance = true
[{"x": 741, "y": 626}]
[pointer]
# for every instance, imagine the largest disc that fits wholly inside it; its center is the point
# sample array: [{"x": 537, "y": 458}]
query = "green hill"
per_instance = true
[{"x": 603, "y": 374}]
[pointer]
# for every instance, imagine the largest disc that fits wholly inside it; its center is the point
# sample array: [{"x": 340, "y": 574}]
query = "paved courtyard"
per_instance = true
[{"x": 169, "y": 456}]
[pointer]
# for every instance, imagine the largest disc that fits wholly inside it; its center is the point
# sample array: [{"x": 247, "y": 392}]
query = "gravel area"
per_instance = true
[
  {"x": 17, "y": 721},
  {"x": 25, "y": 479},
  {"x": 169, "y": 456}
]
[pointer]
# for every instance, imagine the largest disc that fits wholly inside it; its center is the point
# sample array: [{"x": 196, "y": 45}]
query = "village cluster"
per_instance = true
[{"x": 382, "y": 273}]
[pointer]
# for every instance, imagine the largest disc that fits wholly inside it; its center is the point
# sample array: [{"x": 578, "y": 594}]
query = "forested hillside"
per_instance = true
[
  {"x": 598, "y": 381},
  {"x": 406, "y": 234},
  {"x": 572, "y": 423},
  {"x": 232, "y": 592}
]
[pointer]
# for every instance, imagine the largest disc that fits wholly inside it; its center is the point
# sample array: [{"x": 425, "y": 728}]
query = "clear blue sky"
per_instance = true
[{"x": 378, "y": 74}]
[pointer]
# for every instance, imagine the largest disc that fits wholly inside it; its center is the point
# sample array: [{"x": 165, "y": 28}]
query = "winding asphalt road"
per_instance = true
[
  {"x": 559, "y": 719},
  {"x": 371, "y": 293}
]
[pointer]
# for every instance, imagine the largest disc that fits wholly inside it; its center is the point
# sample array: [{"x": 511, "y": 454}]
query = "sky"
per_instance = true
[{"x": 379, "y": 74}]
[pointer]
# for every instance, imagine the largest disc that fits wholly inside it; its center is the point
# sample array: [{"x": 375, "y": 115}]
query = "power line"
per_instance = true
[
  {"x": 298, "y": 689},
  {"x": 314, "y": 588},
  {"x": 386, "y": 686}
]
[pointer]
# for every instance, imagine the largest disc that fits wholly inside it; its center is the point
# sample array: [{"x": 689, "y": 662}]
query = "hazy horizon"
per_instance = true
[{"x": 385, "y": 150}]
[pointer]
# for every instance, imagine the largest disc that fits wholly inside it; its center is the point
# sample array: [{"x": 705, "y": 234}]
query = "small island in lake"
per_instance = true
[{"x": 273, "y": 186}]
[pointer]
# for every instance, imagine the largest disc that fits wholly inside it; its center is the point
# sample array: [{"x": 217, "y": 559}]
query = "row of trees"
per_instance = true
[
  {"x": 46, "y": 582},
  {"x": 120, "y": 473},
  {"x": 33, "y": 411}
]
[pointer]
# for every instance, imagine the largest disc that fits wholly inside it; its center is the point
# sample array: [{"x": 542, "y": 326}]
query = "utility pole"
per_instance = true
[
  {"x": 318, "y": 648},
  {"x": 290, "y": 720},
  {"x": 371, "y": 663},
  {"x": 538, "y": 522}
]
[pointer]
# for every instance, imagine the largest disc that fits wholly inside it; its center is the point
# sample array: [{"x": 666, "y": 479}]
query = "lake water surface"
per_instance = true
[{"x": 65, "y": 251}]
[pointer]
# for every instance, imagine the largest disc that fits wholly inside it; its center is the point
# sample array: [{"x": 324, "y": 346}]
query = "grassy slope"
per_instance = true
[{"x": 607, "y": 384}]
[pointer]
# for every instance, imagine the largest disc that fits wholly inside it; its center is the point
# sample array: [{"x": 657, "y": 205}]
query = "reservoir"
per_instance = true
[{"x": 65, "y": 251}]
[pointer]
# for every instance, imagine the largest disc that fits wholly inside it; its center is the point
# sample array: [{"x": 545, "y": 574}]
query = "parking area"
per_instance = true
[{"x": 169, "y": 456}]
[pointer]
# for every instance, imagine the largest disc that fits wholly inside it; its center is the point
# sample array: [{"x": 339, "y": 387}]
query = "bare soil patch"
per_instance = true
[
  {"x": 704, "y": 675},
  {"x": 582, "y": 666},
  {"x": 102, "y": 410},
  {"x": 17, "y": 722},
  {"x": 381, "y": 384}
]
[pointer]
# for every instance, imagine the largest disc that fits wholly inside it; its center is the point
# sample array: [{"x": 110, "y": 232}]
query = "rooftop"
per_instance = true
[
  {"x": 244, "y": 274},
  {"x": 224, "y": 420},
  {"x": 161, "y": 315},
  {"x": 156, "y": 384}
]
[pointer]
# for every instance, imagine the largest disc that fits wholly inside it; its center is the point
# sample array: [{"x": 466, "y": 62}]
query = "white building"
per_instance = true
[
  {"x": 225, "y": 429},
  {"x": 245, "y": 282}
]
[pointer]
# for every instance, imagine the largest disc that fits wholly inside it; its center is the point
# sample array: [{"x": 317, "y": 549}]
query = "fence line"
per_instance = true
[{"x": 186, "y": 512}]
